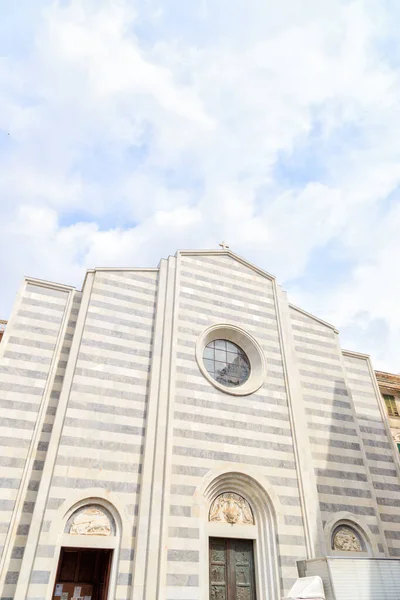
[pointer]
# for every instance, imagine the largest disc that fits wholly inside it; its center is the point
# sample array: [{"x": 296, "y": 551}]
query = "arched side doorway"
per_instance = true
[
  {"x": 87, "y": 552},
  {"x": 238, "y": 538}
]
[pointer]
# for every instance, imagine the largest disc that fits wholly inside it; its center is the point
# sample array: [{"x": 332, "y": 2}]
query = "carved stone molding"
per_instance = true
[
  {"x": 345, "y": 539},
  {"x": 231, "y": 508},
  {"x": 90, "y": 520}
]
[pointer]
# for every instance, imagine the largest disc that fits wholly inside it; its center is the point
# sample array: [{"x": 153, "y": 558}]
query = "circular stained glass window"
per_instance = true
[{"x": 226, "y": 363}]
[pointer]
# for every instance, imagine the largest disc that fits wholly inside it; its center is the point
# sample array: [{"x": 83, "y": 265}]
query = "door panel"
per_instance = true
[{"x": 231, "y": 569}]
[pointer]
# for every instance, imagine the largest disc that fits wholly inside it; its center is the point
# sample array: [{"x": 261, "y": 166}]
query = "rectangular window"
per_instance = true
[{"x": 391, "y": 405}]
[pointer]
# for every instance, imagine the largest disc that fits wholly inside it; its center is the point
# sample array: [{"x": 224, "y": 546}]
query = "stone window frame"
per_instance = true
[
  {"x": 392, "y": 406},
  {"x": 249, "y": 345},
  {"x": 368, "y": 545}
]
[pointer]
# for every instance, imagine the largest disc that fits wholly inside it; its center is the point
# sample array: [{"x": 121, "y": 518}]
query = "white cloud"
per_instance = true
[{"x": 137, "y": 128}]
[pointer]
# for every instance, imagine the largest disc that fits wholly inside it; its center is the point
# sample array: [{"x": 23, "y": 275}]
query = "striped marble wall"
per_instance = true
[
  {"x": 378, "y": 447},
  {"x": 212, "y": 429},
  {"x": 101, "y": 443},
  {"x": 339, "y": 462},
  {"x": 28, "y": 401}
]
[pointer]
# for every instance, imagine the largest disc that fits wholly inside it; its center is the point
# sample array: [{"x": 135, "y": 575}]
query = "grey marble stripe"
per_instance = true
[
  {"x": 325, "y": 441},
  {"x": 376, "y": 444},
  {"x": 342, "y": 491},
  {"x": 9, "y": 483},
  {"x": 116, "y": 362},
  {"x": 306, "y": 340},
  {"x": 332, "y": 403},
  {"x": 99, "y": 444},
  {"x": 388, "y": 501},
  {"x": 392, "y": 535},
  {"x": 131, "y": 298},
  {"x": 113, "y": 320},
  {"x": 131, "y": 311},
  {"x": 232, "y": 440},
  {"x": 186, "y": 330},
  {"x": 332, "y": 458},
  {"x": 332, "y": 429},
  {"x": 287, "y": 561},
  {"x": 104, "y": 465},
  {"x": 109, "y": 392},
  {"x": 348, "y": 475},
  {"x": 319, "y": 365},
  {"x": 42, "y": 304},
  {"x": 289, "y": 500},
  {"x": 184, "y": 532},
  {"x": 382, "y": 457},
  {"x": 11, "y": 578},
  {"x": 23, "y": 406},
  {"x": 183, "y": 555},
  {"x": 210, "y": 310},
  {"x": 312, "y": 352},
  {"x": 334, "y": 390},
  {"x": 204, "y": 302},
  {"x": 30, "y": 358},
  {"x": 175, "y": 580},
  {"x": 17, "y": 372},
  {"x": 383, "y": 472},
  {"x": 16, "y": 423},
  {"x": 78, "y": 483},
  {"x": 242, "y": 425},
  {"x": 183, "y": 490},
  {"x": 114, "y": 333},
  {"x": 37, "y": 330},
  {"x": 40, "y": 317},
  {"x": 246, "y": 295},
  {"x": 126, "y": 554},
  {"x": 390, "y": 487},
  {"x": 265, "y": 461},
  {"x": 180, "y": 511},
  {"x": 330, "y": 415},
  {"x": 291, "y": 540},
  {"x": 18, "y": 551},
  {"x": 370, "y": 395},
  {"x": 374, "y": 430},
  {"x": 124, "y": 579},
  {"x": 325, "y": 377},
  {"x": 327, "y": 334},
  {"x": 109, "y": 409},
  {"x": 148, "y": 288},
  {"x": 192, "y": 471},
  {"x": 17, "y": 341},
  {"x": 44, "y": 291},
  {"x": 40, "y": 577},
  {"x": 234, "y": 284},
  {"x": 390, "y": 518},
  {"x": 394, "y": 551},
  {"x": 12, "y": 461},
  {"x": 362, "y": 372},
  {"x": 293, "y": 520},
  {"x": 100, "y": 426},
  {"x": 357, "y": 510},
  {"x": 273, "y": 375},
  {"x": 54, "y": 503},
  {"x": 236, "y": 408},
  {"x": 128, "y": 350},
  {"x": 13, "y": 442},
  {"x": 104, "y": 376}
]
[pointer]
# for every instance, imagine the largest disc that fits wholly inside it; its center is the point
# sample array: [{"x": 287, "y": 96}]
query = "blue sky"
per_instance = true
[{"x": 129, "y": 129}]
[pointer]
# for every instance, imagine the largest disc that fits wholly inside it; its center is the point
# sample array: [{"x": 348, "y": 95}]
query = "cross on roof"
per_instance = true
[{"x": 224, "y": 245}]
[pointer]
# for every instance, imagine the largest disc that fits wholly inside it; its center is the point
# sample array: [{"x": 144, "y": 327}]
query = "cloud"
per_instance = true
[{"x": 131, "y": 129}]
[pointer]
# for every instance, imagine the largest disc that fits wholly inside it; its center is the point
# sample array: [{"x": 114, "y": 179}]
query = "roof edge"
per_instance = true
[
  {"x": 304, "y": 312},
  {"x": 233, "y": 255}
]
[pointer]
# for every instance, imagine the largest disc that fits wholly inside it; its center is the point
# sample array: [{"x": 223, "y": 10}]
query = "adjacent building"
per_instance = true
[
  {"x": 185, "y": 433},
  {"x": 389, "y": 384}
]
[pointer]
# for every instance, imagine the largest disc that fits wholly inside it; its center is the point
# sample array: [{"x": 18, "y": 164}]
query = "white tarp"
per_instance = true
[{"x": 307, "y": 588}]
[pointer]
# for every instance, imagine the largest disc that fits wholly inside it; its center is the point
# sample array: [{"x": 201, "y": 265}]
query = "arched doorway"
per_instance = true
[
  {"x": 86, "y": 554},
  {"x": 240, "y": 538}
]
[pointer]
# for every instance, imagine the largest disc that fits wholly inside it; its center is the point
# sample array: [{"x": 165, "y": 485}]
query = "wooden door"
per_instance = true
[
  {"x": 231, "y": 569},
  {"x": 85, "y": 571}
]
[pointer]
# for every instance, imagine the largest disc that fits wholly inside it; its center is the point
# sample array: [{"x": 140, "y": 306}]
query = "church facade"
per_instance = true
[{"x": 184, "y": 433}]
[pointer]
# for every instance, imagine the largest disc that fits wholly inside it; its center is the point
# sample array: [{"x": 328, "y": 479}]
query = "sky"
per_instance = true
[{"x": 131, "y": 129}]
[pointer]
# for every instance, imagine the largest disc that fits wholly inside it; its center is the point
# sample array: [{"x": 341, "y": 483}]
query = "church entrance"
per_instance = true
[
  {"x": 83, "y": 573},
  {"x": 231, "y": 569}
]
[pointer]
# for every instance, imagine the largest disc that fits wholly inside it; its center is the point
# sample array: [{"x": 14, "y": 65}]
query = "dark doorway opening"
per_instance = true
[
  {"x": 231, "y": 569},
  {"x": 83, "y": 573}
]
